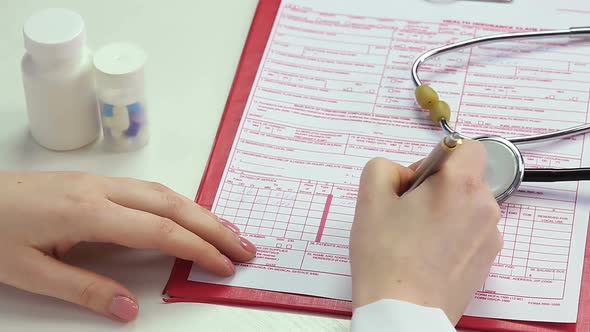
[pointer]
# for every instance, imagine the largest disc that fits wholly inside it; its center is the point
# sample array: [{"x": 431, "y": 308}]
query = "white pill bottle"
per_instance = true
[{"x": 58, "y": 81}]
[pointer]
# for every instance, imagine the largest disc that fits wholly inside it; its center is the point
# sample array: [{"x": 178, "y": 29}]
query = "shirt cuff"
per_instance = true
[{"x": 399, "y": 316}]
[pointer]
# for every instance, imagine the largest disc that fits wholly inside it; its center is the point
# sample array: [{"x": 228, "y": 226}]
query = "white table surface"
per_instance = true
[{"x": 194, "y": 48}]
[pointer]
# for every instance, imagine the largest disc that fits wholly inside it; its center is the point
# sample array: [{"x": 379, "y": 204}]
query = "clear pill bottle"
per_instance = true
[
  {"x": 120, "y": 81},
  {"x": 58, "y": 81}
]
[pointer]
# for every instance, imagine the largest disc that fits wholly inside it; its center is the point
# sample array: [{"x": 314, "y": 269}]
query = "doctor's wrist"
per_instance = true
[
  {"x": 408, "y": 293},
  {"x": 396, "y": 288}
]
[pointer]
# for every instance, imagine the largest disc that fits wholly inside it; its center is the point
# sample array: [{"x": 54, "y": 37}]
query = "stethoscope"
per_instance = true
[{"x": 506, "y": 168}]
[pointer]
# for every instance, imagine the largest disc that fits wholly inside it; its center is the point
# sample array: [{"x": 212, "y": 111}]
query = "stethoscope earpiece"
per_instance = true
[{"x": 505, "y": 166}]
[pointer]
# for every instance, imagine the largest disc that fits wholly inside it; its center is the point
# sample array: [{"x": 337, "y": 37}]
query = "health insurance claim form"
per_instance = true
[{"x": 333, "y": 90}]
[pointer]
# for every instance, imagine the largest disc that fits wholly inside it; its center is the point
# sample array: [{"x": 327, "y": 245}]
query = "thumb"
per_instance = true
[
  {"x": 382, "y": 177},
  {"x": 42, "y": 274}
]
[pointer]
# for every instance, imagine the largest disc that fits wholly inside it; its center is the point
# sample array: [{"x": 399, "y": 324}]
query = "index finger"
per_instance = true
[
  {"x": 132, "y": 228},
  {"x": 383, "y": 178},
  {"x": 160, "y": 200}
]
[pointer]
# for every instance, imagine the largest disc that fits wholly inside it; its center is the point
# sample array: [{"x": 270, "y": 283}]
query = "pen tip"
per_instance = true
[{"x": 452, "y": 140}]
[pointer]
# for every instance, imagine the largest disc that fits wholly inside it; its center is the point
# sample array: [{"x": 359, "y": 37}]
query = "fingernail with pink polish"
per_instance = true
[
  {"x": 124, "y": 308},
  {"x": 231, "y": 226},
  {"x": 229, "y": 264},
  {"x": 249, "y": 246}
]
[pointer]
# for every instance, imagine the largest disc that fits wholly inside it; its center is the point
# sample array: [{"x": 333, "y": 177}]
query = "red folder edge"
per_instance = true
[{"x": 180, "y": 289}]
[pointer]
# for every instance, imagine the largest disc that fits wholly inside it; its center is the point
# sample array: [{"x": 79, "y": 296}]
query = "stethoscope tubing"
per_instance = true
[
  {"x": 556, "y": 174},
  {"x": 571, "y": 32}
]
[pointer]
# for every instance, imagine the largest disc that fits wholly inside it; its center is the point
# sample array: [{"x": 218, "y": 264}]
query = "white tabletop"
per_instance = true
[{"x": 193, "y": 48}]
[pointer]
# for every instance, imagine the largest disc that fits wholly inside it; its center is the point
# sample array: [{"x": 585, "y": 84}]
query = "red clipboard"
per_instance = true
[{"x": 180, "y": 289}]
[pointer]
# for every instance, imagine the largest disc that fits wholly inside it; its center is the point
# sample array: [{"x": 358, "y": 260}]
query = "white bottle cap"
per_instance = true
[
  {"x": 54, "y": 34},
  {"x": 119, "y": 66}
]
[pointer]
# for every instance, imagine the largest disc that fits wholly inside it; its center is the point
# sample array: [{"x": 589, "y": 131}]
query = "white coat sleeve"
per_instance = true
[{"x": 399, "y": 316}]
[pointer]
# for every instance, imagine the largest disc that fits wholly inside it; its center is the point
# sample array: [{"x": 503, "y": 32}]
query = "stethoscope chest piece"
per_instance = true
[{"x": 505, "y": 166}]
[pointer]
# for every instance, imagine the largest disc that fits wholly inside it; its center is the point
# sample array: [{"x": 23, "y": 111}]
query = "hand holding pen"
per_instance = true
[
  {"x": 435, "y": 160},
  {"x": 436, "y": 245}
]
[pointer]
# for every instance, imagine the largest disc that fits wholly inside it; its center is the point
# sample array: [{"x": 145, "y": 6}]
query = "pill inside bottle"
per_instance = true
[{"x": 120, "y": 82}]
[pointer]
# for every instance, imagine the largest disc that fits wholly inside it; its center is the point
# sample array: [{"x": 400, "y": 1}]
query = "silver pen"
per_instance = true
[{"x": 436, "y": 159}]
